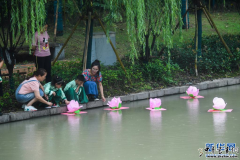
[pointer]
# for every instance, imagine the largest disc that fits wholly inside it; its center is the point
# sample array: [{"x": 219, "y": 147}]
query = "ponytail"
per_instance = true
[{"x": 38, "y": 72}]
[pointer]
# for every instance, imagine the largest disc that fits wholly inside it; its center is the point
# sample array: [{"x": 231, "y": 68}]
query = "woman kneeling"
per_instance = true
[{"x": 31, "y": 91}]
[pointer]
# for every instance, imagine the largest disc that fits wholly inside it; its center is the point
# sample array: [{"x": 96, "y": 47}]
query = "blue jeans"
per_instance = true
[
  {"x": 24, "y": 98},
  {"x": 90, "y": 87}
]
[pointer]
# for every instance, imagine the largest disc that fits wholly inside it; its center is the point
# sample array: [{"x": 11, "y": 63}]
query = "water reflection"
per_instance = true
[
  {"x": 74, "y": 125},
  {"x": 193, "y": 106},
  {"x": 219, "y": 120},
  {"x": 115, "y": 117},
  {"x": 156, "y": 120}
]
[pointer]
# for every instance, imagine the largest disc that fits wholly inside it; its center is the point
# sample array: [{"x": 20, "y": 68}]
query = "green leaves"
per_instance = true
[{"x": 27, "y": 16}]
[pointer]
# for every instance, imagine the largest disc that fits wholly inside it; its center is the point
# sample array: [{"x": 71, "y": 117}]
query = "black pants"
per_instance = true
[{"x": 45, "y": 63}]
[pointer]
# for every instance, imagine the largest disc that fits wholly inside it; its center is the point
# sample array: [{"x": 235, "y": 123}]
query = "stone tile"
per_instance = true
[
  {"x": 17, "y": 116},
  {"x": 170, "y": 91},
  {"x": 183, "y": 89},
  {"x": 94, "y": 104},
  {"x": 40, "y": 113},
  {"x": 4, "y": 118},
  {"x": 84, "y": 106},
  {"x": 57, "y": 110},
  {"x": 221, "y": 82},
  {"x": 140, "y": 96},
  {"x": 156, "y": 93},
  {"x": 126, "y": 98},
  {"x": 213, "y": 84},
  {"x": 202, "y": 86},
  {"x": 232, "y": 81}
]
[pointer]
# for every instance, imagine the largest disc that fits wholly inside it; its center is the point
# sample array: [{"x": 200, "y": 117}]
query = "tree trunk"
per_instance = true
[{"x": 9, "y": 60}]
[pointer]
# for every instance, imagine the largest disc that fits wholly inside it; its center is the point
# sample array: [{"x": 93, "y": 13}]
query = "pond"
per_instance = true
[{"x": 132, "y": 134}]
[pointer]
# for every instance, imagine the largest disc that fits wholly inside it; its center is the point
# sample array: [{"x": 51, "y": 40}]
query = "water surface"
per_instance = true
[{"x": 133, "y": 134}]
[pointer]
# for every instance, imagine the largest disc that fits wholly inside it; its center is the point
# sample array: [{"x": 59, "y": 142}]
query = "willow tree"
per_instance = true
[
  {"x": 18, "y": 21},
  {"x": 150, "y": 23}
]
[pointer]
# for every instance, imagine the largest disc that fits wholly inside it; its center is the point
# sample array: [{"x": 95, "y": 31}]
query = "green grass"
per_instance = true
[{"x": 226, "y": 22}]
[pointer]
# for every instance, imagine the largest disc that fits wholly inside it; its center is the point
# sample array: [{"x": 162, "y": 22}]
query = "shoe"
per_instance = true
[
  {"x": 55, "y": 106},
  {"x": 29, "y": 108},
  {"x": 23, "y": 106},
  {"x": 96, "y": 99},
  {"x": 48, "y": 107}
]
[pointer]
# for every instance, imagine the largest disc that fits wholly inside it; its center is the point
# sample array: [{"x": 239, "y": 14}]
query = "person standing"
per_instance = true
[{"x": 42, "y": 51}]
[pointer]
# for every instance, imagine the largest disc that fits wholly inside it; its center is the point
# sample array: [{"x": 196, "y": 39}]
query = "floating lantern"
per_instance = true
[
  {"x": 192, "y": 93},
  {"x": 115, "y": 104},
  {"x": 219, "y": 106},
  {"x": 155, "y": 104},
  {"x": 73, "y": 108}
]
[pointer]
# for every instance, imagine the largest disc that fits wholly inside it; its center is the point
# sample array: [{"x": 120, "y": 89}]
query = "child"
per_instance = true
[
  {"x": 54, "y": 91},
  {"x": 74, "y": 90}
]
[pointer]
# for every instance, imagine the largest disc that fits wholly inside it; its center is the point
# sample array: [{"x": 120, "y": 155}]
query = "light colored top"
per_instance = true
[
  {"x": 44, "y": 48},
  {"x": 29, "y": 87},
  {"x": 49, "y": 89},
  {"x": 73, "y": 85},
  {"x": 88, "y": 77}
]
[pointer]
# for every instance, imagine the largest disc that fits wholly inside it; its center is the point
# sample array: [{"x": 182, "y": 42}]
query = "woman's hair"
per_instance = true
[
  {"x": 96, "y": 63},
  {"x": 57, "y": 80},
  {"x": 39, "y": 72}
]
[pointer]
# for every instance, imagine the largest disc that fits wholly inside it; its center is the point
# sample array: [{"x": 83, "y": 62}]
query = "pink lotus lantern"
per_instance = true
[
  {"x": 155, "y": 103},
  {"x": 115, "y": 103},
  {"x": 219, "y": 106},
  {"x": 73, "y": 108},
  {"x": 219, "y": 103},
  {"x": 192, "y": 91}
]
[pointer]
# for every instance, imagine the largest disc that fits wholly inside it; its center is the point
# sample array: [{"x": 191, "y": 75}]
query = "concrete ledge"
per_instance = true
[
  {"x": 140, "y": 96},
  {"x": 156, "y": 93},
  {"x": 202, "y": 85},
  {"x": 232, "y": 81},
  {"x": 40, "y": 113},
  {"x": 221, "y": 82},
  {"x": 170, "y": 91},
  {"x": 95, "y": 104},
  {"x": 126, "y": 98},
  {"x": 212, "y": 84},
  {"x": 183, "y": 89},
  {"x": 16, "y": 116},
  {"x": 4, "y": 118}
]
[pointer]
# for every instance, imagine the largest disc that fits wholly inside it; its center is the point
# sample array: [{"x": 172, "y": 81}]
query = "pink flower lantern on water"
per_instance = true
[
  {"x": 73, "y": 108},
  {"x": 219, "y": 106},
  {"x": 155, "y": 104},
  {"x": 192, "y": 91},
  {"x": 115, "y": 103},
  {"x": 219, "y": 103}
]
